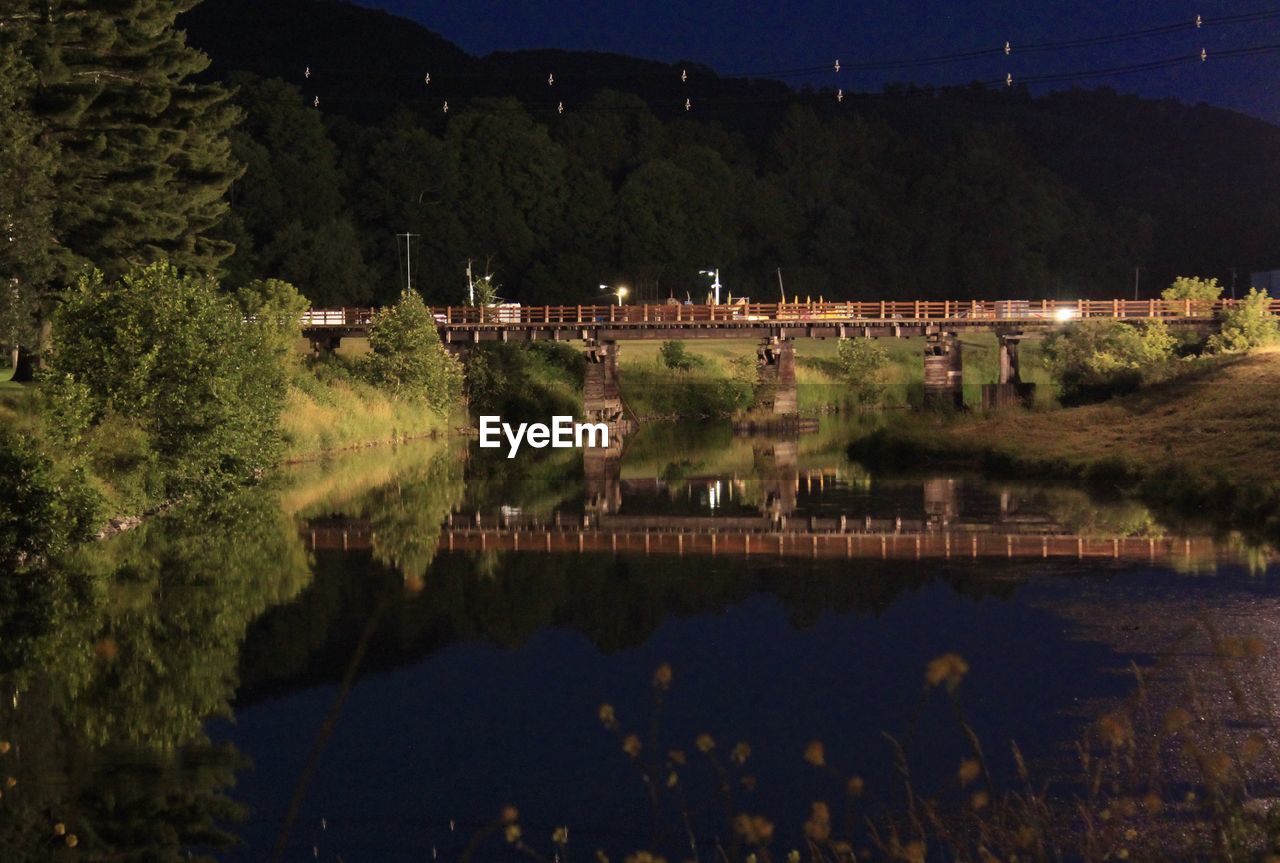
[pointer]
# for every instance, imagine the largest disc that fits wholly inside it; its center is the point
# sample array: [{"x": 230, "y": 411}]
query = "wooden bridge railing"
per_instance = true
[{"x": 958, "y": 311}]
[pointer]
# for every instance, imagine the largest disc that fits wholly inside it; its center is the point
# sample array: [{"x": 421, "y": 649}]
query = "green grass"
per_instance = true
[
  {"x": 654, "y": 390},
  {"x": 328, "y": 409}
]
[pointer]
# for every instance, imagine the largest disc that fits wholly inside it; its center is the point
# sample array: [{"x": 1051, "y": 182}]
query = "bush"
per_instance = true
[
  {"x": 175, "y": 356},
  {"x": 277, "y": 308},
  {"x": 1247, "y": 325},
  {"x": 43, "y": 510},
  {"x": 1194, "y": 289},
  {"x": 674, "y": 356},
  {"x": 1093, "y": 360},
  {"x": 862, "y": 363},
  {"x": 407, "y": 358}
]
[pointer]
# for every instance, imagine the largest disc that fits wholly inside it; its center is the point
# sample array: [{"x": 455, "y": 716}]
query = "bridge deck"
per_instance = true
[{"x": 461, "y": 324}]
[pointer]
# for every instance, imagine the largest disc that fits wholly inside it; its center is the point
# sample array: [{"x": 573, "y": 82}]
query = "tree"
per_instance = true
[
  {"x": 174, "y": 356},
  {"x": 26, "y": 205},
  {"x": 1096, "y": 359},
  {"x": 406, "y": 355},
  {"x": 143, "y": 159},
  {"x": 1247, "y": 325},
  {"x": 1194, "y": 289}
]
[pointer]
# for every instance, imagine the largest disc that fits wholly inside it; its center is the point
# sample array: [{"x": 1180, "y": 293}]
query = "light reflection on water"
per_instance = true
[{"x": 408, "y": 676}]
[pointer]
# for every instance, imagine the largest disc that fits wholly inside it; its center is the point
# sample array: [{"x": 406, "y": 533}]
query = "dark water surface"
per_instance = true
[{"x": 387, "y": 696}]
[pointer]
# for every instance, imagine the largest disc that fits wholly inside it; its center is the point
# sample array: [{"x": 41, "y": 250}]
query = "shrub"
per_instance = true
[
  {"x": 1193, "y": 288},
  {"x": 175, "y": 356},
  {"x": 862, "y": 363},
  {"x": 276, "y": 308},
  {"x": 407, "y": 358},
  {"x": 1093, "y": 360},
  {"x": 674, "y": 356},
  {"x": 1247, "y": 325},
  {"x": 45, "y": 510}
]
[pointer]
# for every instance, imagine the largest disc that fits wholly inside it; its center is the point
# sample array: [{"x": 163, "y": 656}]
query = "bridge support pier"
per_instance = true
[
  {"x": 943, "y": 371},
  {"x": 776, "y": 359},
  {"x": 601, "y": 399},
  {"x": 1009, "y": 390},
  {"x": 324, "y": 344}
]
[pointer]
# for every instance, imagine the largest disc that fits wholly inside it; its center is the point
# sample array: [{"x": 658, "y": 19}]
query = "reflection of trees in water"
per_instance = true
[
  {"x": 112, "y": 665},
  {"x": 615, "y": 602}
]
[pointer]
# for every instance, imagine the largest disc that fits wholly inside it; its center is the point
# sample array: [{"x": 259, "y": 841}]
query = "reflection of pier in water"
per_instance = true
[{"x": 938, "y": 527}]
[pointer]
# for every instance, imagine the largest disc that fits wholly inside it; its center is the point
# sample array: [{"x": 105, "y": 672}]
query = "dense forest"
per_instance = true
[{"x": 967, "y": 192}]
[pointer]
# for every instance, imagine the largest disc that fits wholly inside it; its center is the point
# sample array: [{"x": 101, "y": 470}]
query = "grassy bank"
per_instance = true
[
  {"x": 653, "y": 390},
  {"x": 328, "y": 409},
  {"x": 1205, "y": 439}
]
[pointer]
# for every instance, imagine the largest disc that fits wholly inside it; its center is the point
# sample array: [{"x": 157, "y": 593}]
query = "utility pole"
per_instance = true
[
  {"x": 408, "y": 257},
  {"x": 1233, "y": 283},
  {"x": 1136, "y": 271},
  {"x": 781, "y": 290},
  {"x": 471, "y": 286}
]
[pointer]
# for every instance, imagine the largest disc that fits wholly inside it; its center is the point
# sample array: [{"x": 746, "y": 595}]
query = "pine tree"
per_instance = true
[
  {"x": 144, "y": 160},
  {"x": 26, "y": 200}
]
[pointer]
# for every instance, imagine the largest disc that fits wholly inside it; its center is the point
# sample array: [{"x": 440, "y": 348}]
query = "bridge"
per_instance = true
[{"x": 776, "y": 326}]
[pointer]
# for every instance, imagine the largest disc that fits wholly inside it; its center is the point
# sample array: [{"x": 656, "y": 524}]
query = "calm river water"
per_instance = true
[{"x": 397, "y": 644}]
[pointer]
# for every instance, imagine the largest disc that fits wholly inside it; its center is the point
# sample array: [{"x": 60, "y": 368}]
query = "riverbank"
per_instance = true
[
  {"x": 719, "y": 383},
  {"x": 1205, "y": 440}
]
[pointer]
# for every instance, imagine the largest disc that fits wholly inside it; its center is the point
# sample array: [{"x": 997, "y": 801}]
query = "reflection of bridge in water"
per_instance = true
[{"x": 937, "y": 528}]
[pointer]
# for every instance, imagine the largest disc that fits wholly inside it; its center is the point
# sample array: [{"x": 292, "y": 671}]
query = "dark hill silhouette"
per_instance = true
[{"x": 1206, "y": 177}]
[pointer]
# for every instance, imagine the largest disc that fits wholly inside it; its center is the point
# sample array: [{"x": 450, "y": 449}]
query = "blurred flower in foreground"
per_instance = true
[{"x": 949, "y": 668}]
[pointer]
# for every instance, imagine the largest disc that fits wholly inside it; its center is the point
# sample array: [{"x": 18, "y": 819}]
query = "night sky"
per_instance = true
[{"x": 738, "y": 37}]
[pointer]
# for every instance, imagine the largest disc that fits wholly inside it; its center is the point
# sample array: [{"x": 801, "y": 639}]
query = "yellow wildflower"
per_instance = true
[
  {"x": 979, "y": 800},
  {"x": 1115, "y": 728},
  {"x": 512, "y": 833},
  {"x": 510, "y": 815},
  {"x": 855, "y": 786},
  {"x": 1176, "y": 720},
  {"x": 949, "y": 668},
  {"x": 740, "y": 753},
  {"x": 560, "y": 836},
  {"x": 607, "y": 717},
  {"x": 632, "y": 746},
  {"x": 969, "y": 770},
  {"x": 818, "y": 827},
  {"x": 815, "y": 753},
  {"x": 662, "y": 676},
  {"x": 705, "y": 742}
]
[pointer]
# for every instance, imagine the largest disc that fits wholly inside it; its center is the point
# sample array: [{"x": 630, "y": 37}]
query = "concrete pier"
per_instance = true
[
  {"x": 943, "y": 371},
  {"x": 601, "y": 399},
  {"x": 776, "y": 359}
]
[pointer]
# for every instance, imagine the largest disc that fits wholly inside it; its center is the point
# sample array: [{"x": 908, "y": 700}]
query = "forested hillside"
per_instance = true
[{"x": 909, "y": 192}]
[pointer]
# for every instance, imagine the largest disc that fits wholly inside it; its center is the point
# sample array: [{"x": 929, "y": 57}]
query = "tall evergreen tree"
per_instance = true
[
  {"x": 26, "y": 199},
  {"x": 143, "y": 156}
]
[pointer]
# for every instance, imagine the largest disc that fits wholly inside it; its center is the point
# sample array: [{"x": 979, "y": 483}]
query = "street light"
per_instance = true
[
  {"x": 619, "y": 291},
  {"x": 715, "y": 282}
]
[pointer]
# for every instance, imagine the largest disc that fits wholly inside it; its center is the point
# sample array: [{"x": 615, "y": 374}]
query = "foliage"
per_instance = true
[
  {"x": 407, "y": 357},
  {"x": 276, "y": 308},
  {"x": 1093, "y": 360},
  {"x": 863, "y": 363},
  {"x": 44, "y": 509},
  {"x": 143, "y": 145},
  {"x": 1194, "y": 289},
  {"x": 1247, "y": 325},
  {"x": 26, "y": 199},
  {"x": 524, "y": 382},
  {"x": 674, "y": 356},
  {"x": 175, "y": 356},
  {"x": 486, "y": 290}
]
